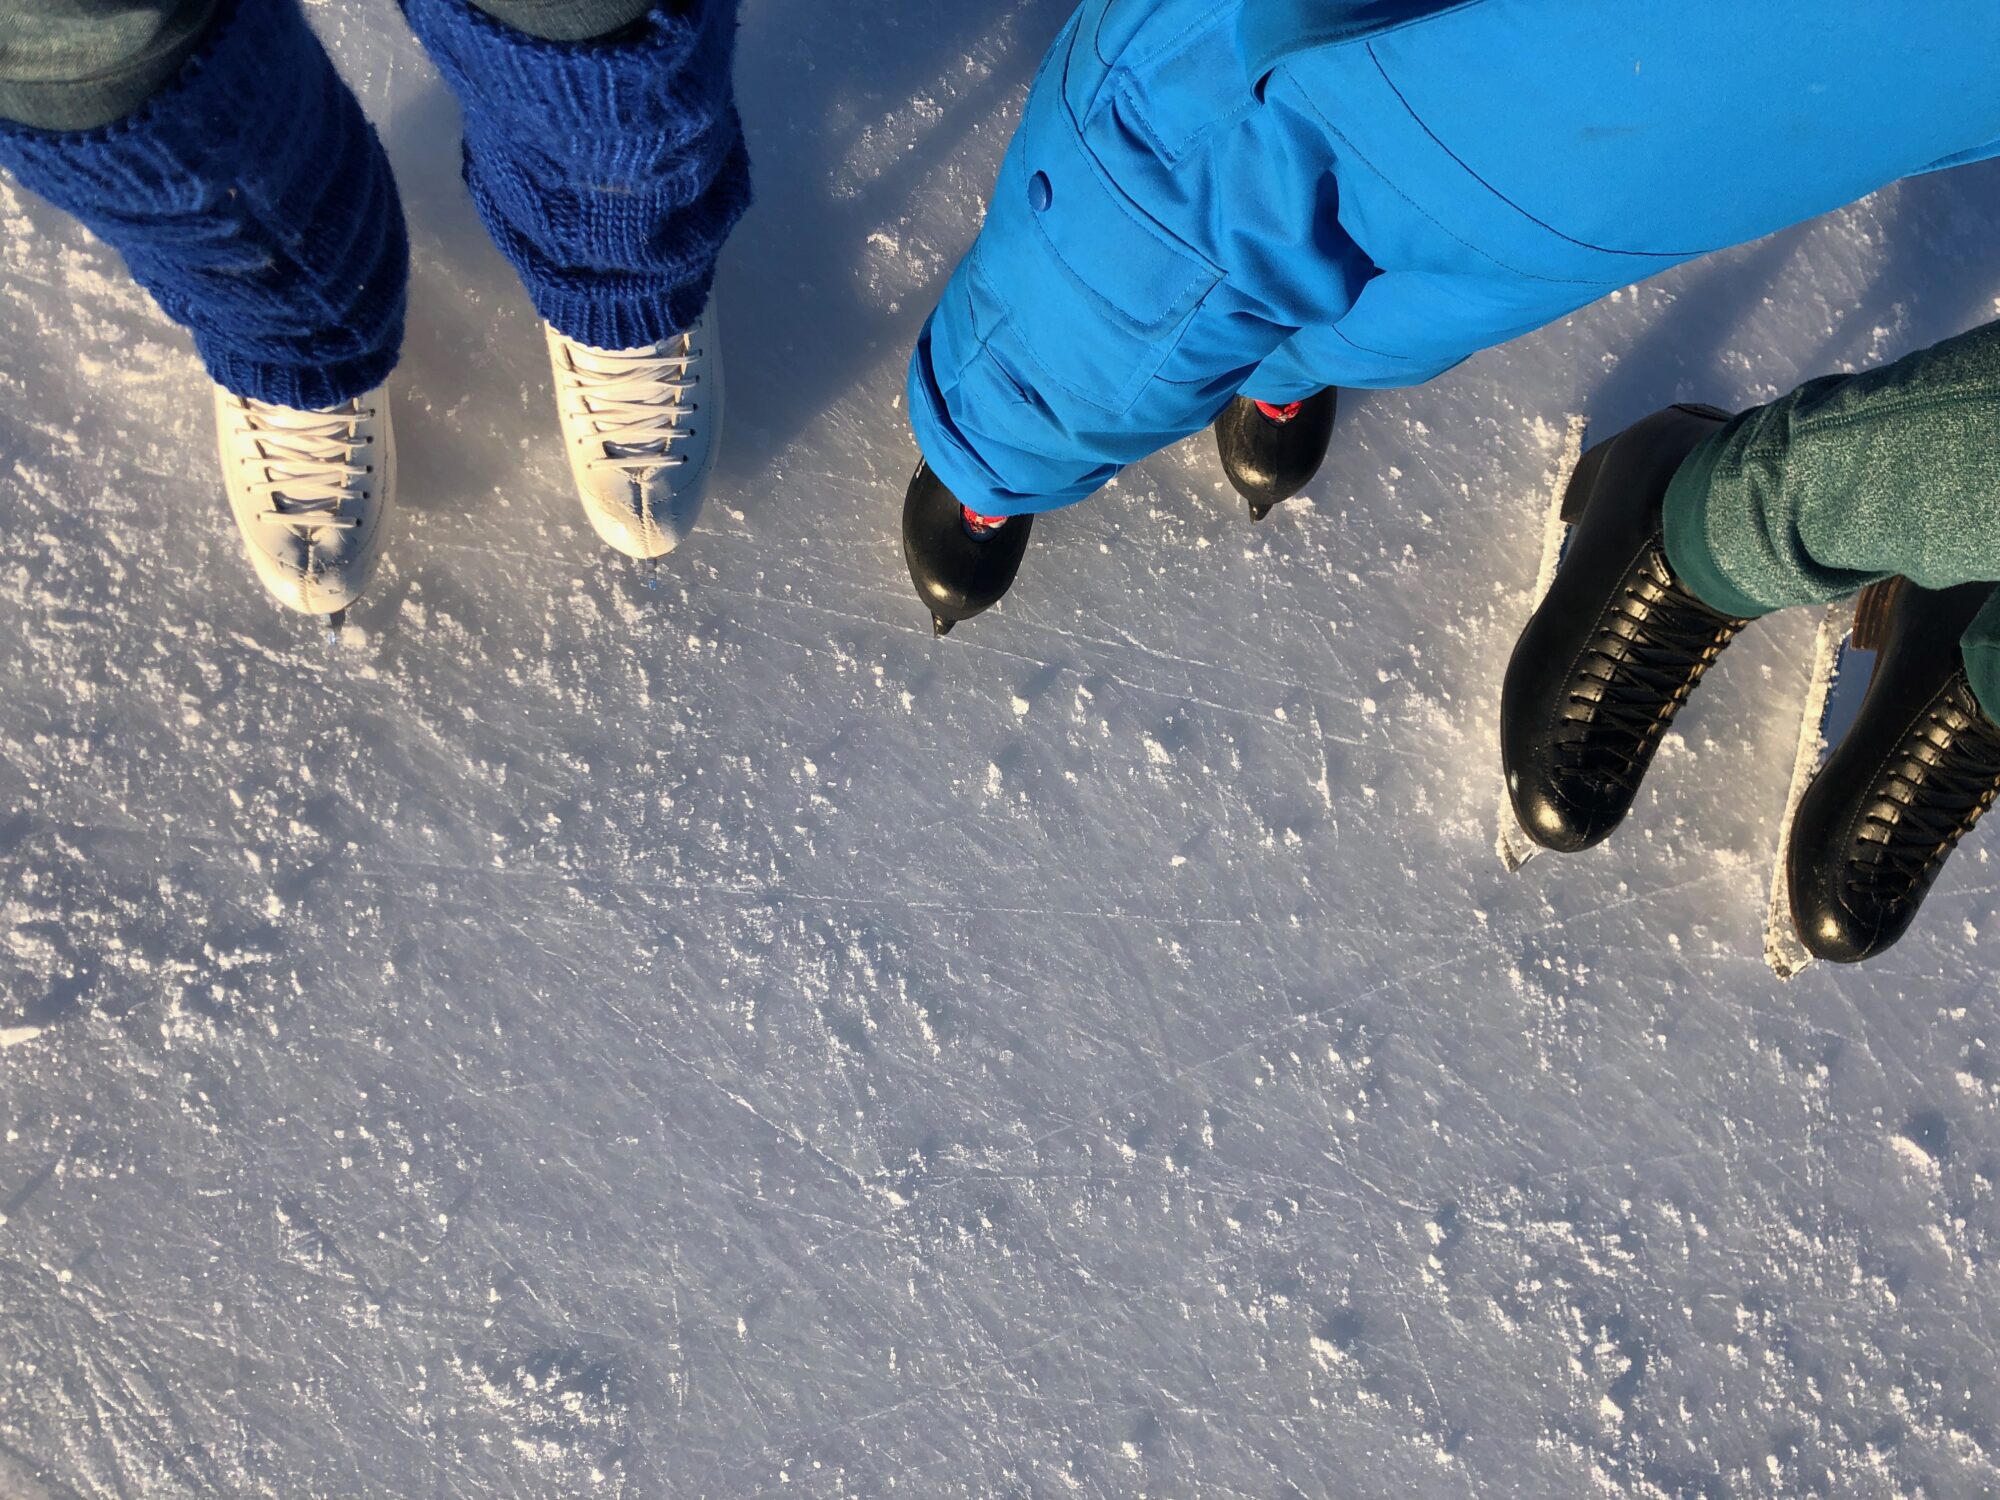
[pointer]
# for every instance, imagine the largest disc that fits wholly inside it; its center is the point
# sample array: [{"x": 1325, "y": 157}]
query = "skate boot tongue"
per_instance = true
[{"x": 657, "y": 448}]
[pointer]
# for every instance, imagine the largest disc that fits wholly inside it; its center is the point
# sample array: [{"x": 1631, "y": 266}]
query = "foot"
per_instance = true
[
  {"x": 640, "y": 426},
  {"x": 1269, "y": 452},
  {"x": 1918, "y": 766},
  {"x": 960, "y": 561},
  {"x": 1614, "y": 650},
  {"x": 310, "y": 491}
]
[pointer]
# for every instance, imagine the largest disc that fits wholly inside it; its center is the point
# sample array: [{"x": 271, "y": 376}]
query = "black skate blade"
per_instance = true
[
  {"x": 1258, "y": 512},
  {"x": 333, "y": 624},
  {"x": 940, "y": 626}
]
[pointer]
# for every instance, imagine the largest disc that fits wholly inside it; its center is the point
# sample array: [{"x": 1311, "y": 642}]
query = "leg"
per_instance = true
[
  {"x": 248, "y": 195},
  {"x": 1126, "y": 282},
  {"x": 252, "y": 200},
  {"x": 79, "y": 64},
  {"x": 608, "y": 173},
  {"x": 1851, "y": 479},
  {"x": 604, "y": 153},
  {"x": 1693, "y": 521},
  {"x": 1047, "y": 366},
  {"x": 1847, "y": 480},
  {"x": 1293, "y": 371}
]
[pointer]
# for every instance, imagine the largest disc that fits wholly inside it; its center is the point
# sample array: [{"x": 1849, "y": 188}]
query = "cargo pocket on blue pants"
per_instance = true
[{"x": 1096, "y": 294}]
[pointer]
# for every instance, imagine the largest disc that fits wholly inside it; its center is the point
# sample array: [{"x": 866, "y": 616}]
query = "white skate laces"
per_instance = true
[
  {"x": 304, "y": 468},
  {"x": 639, "y": 426},
  {"x": 634, "y": 405},
  {"x": 308, "y": 491}
]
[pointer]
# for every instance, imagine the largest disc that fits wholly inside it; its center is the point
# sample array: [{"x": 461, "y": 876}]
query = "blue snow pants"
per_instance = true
[{"x": 1207, "y": 197}]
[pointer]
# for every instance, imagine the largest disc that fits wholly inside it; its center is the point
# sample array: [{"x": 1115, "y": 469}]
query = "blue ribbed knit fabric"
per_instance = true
[
  {"x": 251, "y": 198},
  {"x": 608, "y": 172}
]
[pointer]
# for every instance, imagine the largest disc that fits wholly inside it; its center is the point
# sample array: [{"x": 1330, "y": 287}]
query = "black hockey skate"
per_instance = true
[
  {"x": 961, "y": 562},
  {"x": 1614, "y": 649},
  {"x": 1270, "y": 453},
  {"x": 1918, "y": 766}
]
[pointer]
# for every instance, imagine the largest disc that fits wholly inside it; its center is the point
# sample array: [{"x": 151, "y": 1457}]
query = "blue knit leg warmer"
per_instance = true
[
  {"x": 608, "y": 172},
  {"x": 250, "y": 197}
]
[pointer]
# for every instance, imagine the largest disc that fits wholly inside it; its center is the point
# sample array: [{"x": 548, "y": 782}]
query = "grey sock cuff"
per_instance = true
[
  {"x": 566, "y": 20},
  {"x": 77, "y": 72}
]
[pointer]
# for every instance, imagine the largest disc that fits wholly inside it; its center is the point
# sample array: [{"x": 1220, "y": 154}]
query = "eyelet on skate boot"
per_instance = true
[
  {"x": 961, "y": 562},
  {"x": 1914, "y": 772},
  {"x": 1615, "y": 648},
  {"x": 1270, "y": 452}
]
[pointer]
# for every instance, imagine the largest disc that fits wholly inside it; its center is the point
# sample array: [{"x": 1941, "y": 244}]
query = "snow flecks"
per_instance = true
[
  {"x": 1916, "y": 1153},
  {"x": 559, "y": 1412}
]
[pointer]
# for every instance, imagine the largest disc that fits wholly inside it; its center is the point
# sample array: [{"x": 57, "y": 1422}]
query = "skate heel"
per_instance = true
[
  {"x": 1576, "y": 499},
  {"x": 1871, "y": 612},
  {"x": 1576, "y": 495}
]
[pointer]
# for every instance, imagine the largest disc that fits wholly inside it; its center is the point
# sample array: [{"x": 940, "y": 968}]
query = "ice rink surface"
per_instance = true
[{"x": 579, "y": 1038}]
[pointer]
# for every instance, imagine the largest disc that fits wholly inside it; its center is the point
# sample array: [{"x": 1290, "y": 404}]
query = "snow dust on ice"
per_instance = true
[{"x": 578, "y": 1039}]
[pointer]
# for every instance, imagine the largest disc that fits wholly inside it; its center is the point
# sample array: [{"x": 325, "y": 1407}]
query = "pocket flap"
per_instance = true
[{"x": 1109, "y": 248}]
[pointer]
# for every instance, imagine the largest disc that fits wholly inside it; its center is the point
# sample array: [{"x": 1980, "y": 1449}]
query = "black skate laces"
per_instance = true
[
  {"x": 1933, "y": 788},
  {"x": 1640, "y": 666}
]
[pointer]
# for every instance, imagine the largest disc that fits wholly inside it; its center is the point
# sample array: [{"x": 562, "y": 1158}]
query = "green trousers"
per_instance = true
[{"x": 1851, "y": 479}]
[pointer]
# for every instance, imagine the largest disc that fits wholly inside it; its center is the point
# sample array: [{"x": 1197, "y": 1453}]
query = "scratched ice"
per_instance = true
[{"x": 577, "y": 1039}]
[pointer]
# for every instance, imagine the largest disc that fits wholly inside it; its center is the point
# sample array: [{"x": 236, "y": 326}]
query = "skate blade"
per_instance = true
[
  {"x": 1842, "y": 662},
  {"x": 1513, "y": 843},
  {"x": 940, "y": 626},
  {"x": 333, "y": 625}
]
